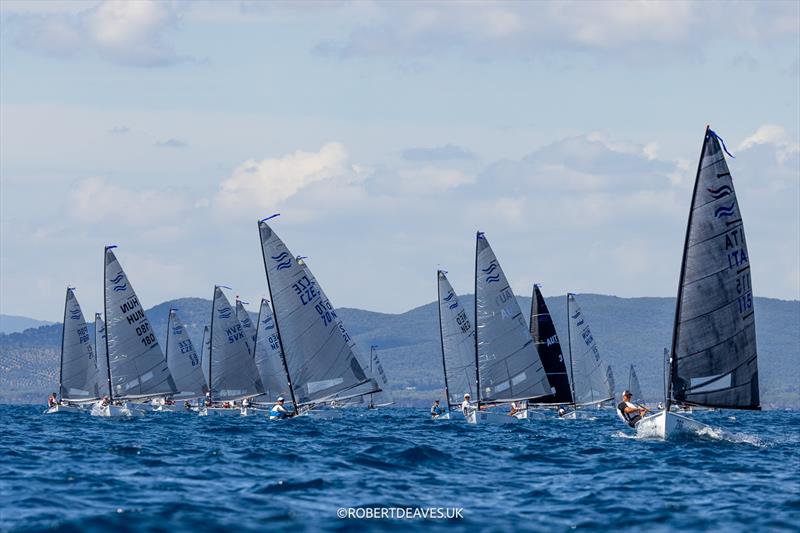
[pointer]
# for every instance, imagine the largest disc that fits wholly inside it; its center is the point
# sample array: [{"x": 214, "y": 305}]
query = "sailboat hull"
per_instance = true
[
  {"x": 324, "y": 414},
  {"x": 115, "y": 411},
  {"x": 490, "y": 418},
  {"x": 221, "y": 411},
  {"x": 666, "y": 425},
  {"x": 63, "y": 409},
  {"x": 445, "y": 416}
]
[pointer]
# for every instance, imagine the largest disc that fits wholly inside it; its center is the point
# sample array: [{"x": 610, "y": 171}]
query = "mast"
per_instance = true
[
  {"x": 255, "y": 339},
  {"x": 108, "y": 323},
  {"x": 683, "y": 274},
  {"x": 63, "y": 333},
  {"x": 477, "y": 365},
  {"x": 211, "y": 345},
  {"x": 275, "y": 318},
  {"x": 441, "y": 337},
  {"x": 569, "y": 349}
]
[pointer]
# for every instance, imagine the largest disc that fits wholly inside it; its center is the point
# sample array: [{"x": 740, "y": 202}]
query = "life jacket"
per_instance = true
[
  {"x": 628, "y": 418},
  {"x": 275, "y": 413}
]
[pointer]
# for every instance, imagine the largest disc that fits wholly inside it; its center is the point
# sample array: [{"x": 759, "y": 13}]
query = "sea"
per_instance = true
[{"x": 394, "y": 469}]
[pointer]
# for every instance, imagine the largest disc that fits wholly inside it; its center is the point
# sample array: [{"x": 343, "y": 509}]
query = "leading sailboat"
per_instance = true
[
  {"x": 714, "y": 360},
  {"x": 508, "y": 366}
]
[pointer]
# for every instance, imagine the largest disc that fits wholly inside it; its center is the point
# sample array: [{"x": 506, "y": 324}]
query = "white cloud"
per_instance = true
[
  {"x": 129, "y": 33},
  {"x": 95, "y": 200},
  {"x": 266, "y": 184},
  {"x": 773, "y": 135}
]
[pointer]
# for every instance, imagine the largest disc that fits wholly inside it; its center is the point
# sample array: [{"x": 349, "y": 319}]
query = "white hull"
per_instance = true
[
  {"x": 142, "y": 407},
  {"x": 578, "y": 415},
  {"x": 445, "y": 416},
  {"x": 63, "y": 409},
  {"x": 324, "y": 414},
  {"x": 665, "y": 425},
  {"x": 115, "y": 411},
  {"x": 177, "y": 408},
  {"x": 490, "y": 418}
]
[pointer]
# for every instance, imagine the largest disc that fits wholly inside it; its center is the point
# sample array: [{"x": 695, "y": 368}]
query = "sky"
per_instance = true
[{"x": 386, "y": 134}]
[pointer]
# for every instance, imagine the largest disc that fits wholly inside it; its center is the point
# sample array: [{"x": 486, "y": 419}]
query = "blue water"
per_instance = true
[{"x": 178, "y": 472}]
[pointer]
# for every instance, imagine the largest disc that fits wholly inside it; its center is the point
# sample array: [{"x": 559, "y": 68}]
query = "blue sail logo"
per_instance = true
[
  {"x": 451, "y": 296},
  {"x": 123, "y": 287},
  {"x": 75, "y": 314},
  {"x": 723, "y": 191},
  {"x": 724, "y": 212},
  {"x": 225, "y": 312}
]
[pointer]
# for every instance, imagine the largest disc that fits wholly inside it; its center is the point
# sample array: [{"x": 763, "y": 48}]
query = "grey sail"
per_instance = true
[
  {"x": 509, "y": 367},
  {"x": 376, "y": 370},
  {"x": 634, "y": 387},
  {"x": 714, "y": 341},
  {"x": 268, "y": 355},
  {"x": 138, "y": 366},
  {"x": 247, "y": 324},
  {"x": 205, "y": 359},
  {"x": 320, "y": 361},
  {"x": 234, "y": 375},
  {"x": 78, "y": 372},
  {"x": 183, "y": 360},
  {"x": 102, "y": 358},
  {"x": 592, "y": 378},
  {"x": 458, "y": 344}
]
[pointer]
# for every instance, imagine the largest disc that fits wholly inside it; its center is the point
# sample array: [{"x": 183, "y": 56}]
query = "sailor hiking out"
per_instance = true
[{"x": 629, "y": 412}]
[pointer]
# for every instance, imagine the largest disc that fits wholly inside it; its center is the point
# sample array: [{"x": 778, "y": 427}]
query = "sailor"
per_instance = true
[
  {"x": 246, "y": 403},
  {"x": 278, "y": 411},
  {"x": 52, "y": 401},
  {"x": 630, "y": 413},
  {"x": 436, "y": 409},
  {"x": 561, "y": 411},
  {"x": 187, "y": 406},
  {"x": 515, "y": 409},
  {"x": 106, "y": 401},
  {"x": 466, "y": 408}
]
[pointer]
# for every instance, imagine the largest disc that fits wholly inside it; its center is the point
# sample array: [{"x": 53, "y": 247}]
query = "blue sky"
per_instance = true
[{"x": 386, "y": 134}]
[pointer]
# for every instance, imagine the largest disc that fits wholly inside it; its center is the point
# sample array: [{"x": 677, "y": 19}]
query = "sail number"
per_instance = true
[
  {"x": 83, "y": 334},
  {"x": 463, "y": 321},
  {"x": 326, "y": 311},
  {"x": 306, "y": 290},
  {"x": 148, "y": 340}
]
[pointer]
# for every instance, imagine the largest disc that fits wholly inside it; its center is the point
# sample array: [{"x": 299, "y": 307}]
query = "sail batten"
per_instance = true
[
  {"x": 319, "y": 361},
  {"x": 509, "y": 365},
  {"x": 714, "y": 361},
  {"x": 137, "y": 364}
]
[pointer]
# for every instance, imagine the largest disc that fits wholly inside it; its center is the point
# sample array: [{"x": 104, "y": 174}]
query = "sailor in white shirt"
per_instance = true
[
  {"x": 630, "y": 412},
  {"x": 466, "y": 408}
]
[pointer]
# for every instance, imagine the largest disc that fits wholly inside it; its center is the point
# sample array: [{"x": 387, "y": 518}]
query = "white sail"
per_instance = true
[
  {"x": 78, "y": 372},
  {"x": 509, "y": 366},
  {"x": 102, "y": 358},
  {"x": 138, "y": 366},
  {"x": 234, "y": 375},
  {"x": 205, "y": 359},
  {"x": 376, "y": 370},
  {"x": 247, "y": 325},
  {"x": 593, "y": 381},
  {"x": 320, "y": 361},
  {"x": 458, "y": 344},
  {"x": 634, "y": 387},
  {"x": 268, "y": 355},
  {"x": 183, "y": 360}
]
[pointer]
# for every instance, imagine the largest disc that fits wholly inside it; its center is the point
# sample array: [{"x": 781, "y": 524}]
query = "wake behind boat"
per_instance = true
[{"x": 714, "y": 354}]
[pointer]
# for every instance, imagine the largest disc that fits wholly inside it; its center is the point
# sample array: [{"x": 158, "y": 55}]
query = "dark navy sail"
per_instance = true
[
  {"x": 545, "y": 337},
  {"x": 714, "y": 341}
]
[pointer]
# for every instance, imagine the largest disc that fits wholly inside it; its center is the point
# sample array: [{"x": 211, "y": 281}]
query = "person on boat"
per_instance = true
[
  {"x": 466, "y": 407},
  {"x": 105, "y": 402},
  {"x": 660, "y": 405},
  {"x": 187, "y": 406},
  {"x": 278, "y": 411},
  {"x": 436, "y": 409},
  {"x": 515, "y": 409},
  {"x": 630, "y": 412},
  {"x": 246, "y": 403},
  {"x": 561, "y": 411},
  {"x": 52, "y": 401},
  {"x": 207, "y": 402}
]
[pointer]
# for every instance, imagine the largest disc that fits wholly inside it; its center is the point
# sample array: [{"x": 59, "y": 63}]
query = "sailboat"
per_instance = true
[
  {"x": 103, "y": 384},
  {"x": 635, "y": 388},
  {"x": 232, "y": 371},
  {"x": 457, "y": 337},
  {"x": 379, "y": 375},
  {"x": 545, "y": 338},
  {"x": 77, "y": 374},
  {"x": 714, "y": 360},
  {"x": 137, "y": 368},
  {"x": 183, "y": 362},
  {"x": 592, "y": 379},
  {"x": 268, "y": 356},
  {"x": 205, "y": 357},
  {"x": 508, "y": 367},
  {"x": 318, "y": 359}
]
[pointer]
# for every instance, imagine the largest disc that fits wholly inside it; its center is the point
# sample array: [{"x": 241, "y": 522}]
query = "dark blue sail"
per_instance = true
[{"x": 545, "y": 337}]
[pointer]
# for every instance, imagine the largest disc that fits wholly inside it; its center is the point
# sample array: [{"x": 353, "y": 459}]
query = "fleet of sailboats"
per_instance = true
[{"x": 299, "y": 348}]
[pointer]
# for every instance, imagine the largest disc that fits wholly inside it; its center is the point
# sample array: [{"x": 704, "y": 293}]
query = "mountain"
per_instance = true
[
  {"x": 14, "y": 324},
  {"x": 627, "y": 330}
]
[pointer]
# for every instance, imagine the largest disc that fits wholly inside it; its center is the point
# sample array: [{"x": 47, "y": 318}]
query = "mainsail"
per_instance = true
[
  {"x": 247, "y": 324},
  {"x": 183, "y": 360},
  {"x": 233, "y": 372},
  {"x": 634, "y": 387},
  {"x": 319, "y": 360},
  {"x": 205, "y": 359},
  {"x": 714, "y": 341},
  {"x": 509, "y": 367},
  {"x": 138, "y": 366},
  {"x": 379, "y": 375},
  {"x": 102, "y": 357},
  {"x": 593, "y": 381},
  {"x": 268, "y": 356},
  {"x": 545, "y": 337},
  {"x": 78, "y": 370},
  {"x": 458, "y": 344}
]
